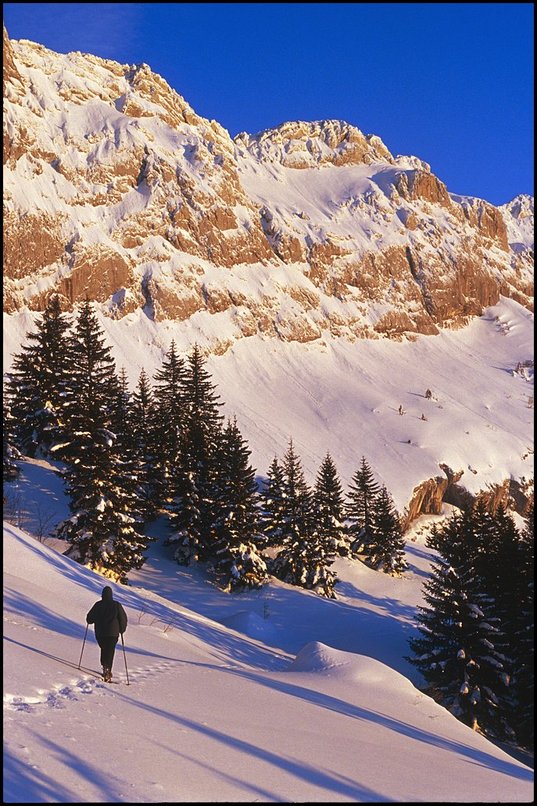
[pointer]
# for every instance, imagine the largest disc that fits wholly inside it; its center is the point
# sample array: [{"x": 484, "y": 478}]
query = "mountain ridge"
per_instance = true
[{"x": 117, "y": 190}]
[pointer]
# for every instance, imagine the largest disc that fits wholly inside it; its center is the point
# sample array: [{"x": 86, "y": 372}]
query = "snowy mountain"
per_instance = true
[
  {"x": 329, "y": 281},
  {"x": 122, "y": 192},
  {"x": 276, "y": 695}
]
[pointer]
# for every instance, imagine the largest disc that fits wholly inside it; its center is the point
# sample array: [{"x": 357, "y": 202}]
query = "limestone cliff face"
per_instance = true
[{"x": 114, "y": 188}]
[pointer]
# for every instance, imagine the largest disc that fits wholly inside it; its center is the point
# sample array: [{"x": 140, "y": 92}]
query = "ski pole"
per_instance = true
[
  {"x": 84, "y": 641},
  {"x": 125, "y": 659}
]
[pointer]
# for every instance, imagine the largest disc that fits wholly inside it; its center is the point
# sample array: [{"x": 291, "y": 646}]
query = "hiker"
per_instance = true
[{"x": 110, "y": 620}]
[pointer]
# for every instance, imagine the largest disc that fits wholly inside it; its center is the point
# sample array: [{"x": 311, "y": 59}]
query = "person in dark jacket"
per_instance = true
[{"x": 110, "y": 620}]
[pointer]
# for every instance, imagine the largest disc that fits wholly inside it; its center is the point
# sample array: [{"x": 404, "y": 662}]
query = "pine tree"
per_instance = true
[
  {"x": 304, "y": 558},
  {"x": 146, "y": 448},
  {"x": 288, "y": 564},
  {"x": 125, "y": 450},
  {"x": 386, "y": 545},
  {"x": 237, "y": 560},
  {"x": 362, "y": 494},
  {"x": 273, "y": 506},
  {"x": 10, "y": 452},
  {"x": 492, "y": 545},
  {"x": 169, "y": 417},
  {"x": 37, "y": 382},
  {"x": 524, "y": 638},
  {"x": 101, "y": 529},
  {"x": 298, "y": 496},
  {"x": 330, "y": 508},
  {"x": 318, "y": 557},
  {"x": 194, "y": 506},
  {"x": 458, "y": 652}
]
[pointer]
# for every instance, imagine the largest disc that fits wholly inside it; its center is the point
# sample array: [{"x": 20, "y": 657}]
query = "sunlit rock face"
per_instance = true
[{"x": 116, "y": 190}]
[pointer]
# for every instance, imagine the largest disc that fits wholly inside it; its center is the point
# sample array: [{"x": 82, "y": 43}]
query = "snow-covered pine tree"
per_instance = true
[
  {"x": 126, "y": 447},
  {"x": 298, "y": 496},
  {"x": 456, "y": 652},
  {"x": 288, "y": 564},
  {"x": 523, "y": 682},
  {"x": 492, "y": 544},
  {"x": 303, "y": 559},
  {"x": 169, "y": 413},
  {"x": 194, "y": 506},
  {"x": 273, "y": 506},
  {"x": 329, "y": 508},
  {"x": 385, "y": 549},
  {"x": 362, "y": 493},
  {"x": 146, "y": 448},
  {"x": 317, "y": 558},
  {"x": 37, "y": 382},
  {"x": 236, "y": 556},
  {"x": 101, "y": 529},
  {"x": 10, "y": 452}
]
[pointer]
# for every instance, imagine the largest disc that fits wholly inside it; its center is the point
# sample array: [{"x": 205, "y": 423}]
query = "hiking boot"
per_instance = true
[{"x": 107, "y": 675}]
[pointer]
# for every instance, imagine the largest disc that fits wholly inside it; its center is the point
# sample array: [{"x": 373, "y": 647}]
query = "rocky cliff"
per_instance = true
[{"x": 115, "y": 189}]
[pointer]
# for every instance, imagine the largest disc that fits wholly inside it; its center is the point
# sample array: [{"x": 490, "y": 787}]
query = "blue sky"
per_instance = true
[{"x": 451, "y": 83}]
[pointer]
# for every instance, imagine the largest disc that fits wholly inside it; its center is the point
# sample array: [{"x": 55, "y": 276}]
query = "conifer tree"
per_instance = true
[
  {"x": 304, "y": 558},
  {"x": 194, "y": 506},
  {"x": 330, "y": 508},
  {"x": 458, "y": 652},
  {"x": 298, "y": 496},
  {"x": 317, "y": 559},
  {"x": 524, "y": 638},
  {"x": 386, "y": 545},
  {"x": 362, "y": 494},
  {"x": 10, "y": 452},
  {"x": 146, "y": 448},
  {"x": 455, "y": 652},
  {"x": 126, "y": 465},
  {"x": 492, "y": 545},
  {"x": 101, "y": 529},
  {"x": 37, "y": 382},
  {"x": 273, "y": 506},
  {"x": 237, "y": 560},
  {"x": 168, "y": 392},
  {"x": 288, "y": 564}
]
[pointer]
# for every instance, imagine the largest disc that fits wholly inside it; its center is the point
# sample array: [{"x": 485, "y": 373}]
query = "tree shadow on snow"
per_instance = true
[
  {"x": 309, "y": 774},
  {"x": 411, "y": 731}
]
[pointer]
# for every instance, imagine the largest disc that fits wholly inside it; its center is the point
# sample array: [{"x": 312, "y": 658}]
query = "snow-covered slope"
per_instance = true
[
  {"x": 272, "y": 696},
  {"x": 344, "y": 397}
]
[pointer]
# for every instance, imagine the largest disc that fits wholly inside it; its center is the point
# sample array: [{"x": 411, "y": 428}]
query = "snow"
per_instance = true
[
  {"x": 232, "y": 698},
  {"x": 343, "y": 397},
  {"x": 275, "y": 695}
]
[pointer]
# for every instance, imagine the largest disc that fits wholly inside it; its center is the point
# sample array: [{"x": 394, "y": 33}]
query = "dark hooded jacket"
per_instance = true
[{"x": 108, "y": 616}]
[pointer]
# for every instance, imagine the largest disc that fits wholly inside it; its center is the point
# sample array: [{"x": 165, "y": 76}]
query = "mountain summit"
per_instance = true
[{"x": 116, "y": 190}]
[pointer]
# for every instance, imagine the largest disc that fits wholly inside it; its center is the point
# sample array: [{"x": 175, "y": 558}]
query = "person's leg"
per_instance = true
[{"x": 107, "y": 655}]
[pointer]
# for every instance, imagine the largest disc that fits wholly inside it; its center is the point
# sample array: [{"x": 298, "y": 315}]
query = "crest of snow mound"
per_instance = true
[{"x": 320, "y": 658}]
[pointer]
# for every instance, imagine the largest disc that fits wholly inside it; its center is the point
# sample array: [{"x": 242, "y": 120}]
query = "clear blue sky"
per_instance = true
[{"x": 451, "y": 83}]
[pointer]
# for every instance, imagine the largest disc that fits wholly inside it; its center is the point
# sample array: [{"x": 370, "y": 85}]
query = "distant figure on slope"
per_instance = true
[{"x": 110, "y": 620}]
